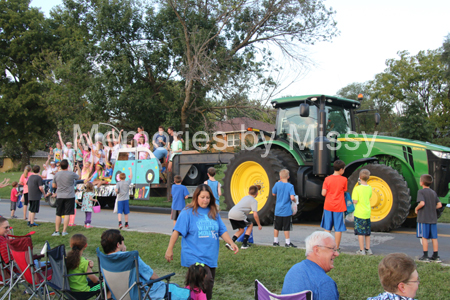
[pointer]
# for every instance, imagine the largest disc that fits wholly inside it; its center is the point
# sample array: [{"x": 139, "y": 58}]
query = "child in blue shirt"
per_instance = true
[
  {"x": 284, "y": 191},
  {"x": 214, "y": 185},
  {"x": 179, "y": 195}
]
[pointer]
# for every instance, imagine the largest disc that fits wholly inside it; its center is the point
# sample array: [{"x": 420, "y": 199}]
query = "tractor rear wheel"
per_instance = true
[
  {"x": 390, "y": 199},
  {"x": 247, "y": 168}
]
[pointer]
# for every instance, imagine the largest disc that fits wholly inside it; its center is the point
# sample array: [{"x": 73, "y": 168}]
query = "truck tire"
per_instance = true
[
  {"x": 196, "y": 175},
  {"x": 441, "y": 210},
  {"x": 248, "y": 167},
  {"x": 292, "y": 165},
  {"x": 52, "y": 201},
  {"x": 390, "y": 200}
]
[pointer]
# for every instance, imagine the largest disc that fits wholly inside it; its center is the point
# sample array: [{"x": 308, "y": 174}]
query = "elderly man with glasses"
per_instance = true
[{"x": 310, "y": 274}]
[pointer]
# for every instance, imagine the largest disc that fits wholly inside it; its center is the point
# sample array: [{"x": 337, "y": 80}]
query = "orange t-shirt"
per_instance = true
[
  {"x": 25, "y": 183},
  {"x": 335, "y": 185}
]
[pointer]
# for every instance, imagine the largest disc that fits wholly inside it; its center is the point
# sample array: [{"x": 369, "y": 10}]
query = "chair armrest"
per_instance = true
[
  {"x": 80, "y": 274},
  {"x": 150, "y": 282},
  {"x": 38, "y": 256}
]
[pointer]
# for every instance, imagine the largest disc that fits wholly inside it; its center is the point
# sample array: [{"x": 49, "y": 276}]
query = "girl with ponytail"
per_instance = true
[{"x": 76, "y": 263}]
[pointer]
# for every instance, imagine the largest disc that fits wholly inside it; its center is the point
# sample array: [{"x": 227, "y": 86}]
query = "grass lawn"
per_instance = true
[{"x": 356, "y": 276}]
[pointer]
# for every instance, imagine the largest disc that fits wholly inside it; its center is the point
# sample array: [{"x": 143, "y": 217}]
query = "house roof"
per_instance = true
[{"x": 236, "y": 125}]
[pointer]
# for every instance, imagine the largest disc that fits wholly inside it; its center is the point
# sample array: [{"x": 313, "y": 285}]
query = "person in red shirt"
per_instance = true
[
  {"x": 14, "y": 196},
  {"x": 333, "y": 190}
]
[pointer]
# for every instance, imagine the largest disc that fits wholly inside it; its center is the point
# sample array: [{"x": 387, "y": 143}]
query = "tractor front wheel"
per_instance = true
[
  {"x": 390, "y": 199},
  {"x": 251, "y": 167}
]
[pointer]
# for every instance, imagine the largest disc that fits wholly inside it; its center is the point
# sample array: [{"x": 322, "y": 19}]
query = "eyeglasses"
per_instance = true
[
  {"x": 418, "y": 281},
  {"x": 199, "y": 264},
  {"x": 331, "y": 248}
]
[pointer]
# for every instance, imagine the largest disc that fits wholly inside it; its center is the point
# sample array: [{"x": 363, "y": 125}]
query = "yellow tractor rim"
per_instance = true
[
  {"x": 381, "y": 200},
  {"x": 246, "y": 175}
]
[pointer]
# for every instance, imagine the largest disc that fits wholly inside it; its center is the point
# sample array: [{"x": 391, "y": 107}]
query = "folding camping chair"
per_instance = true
[
  {"x": 122, "y": 277},
  {"x": 59, "y": 281},
  {"x": 262, "y": 293},
  {"x": 5, "y": 265},
  {"x": 21, "y": 249},
  {"x": 8, "y": 270}
]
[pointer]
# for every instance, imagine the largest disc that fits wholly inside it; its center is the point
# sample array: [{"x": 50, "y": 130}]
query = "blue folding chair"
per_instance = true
[
  {"x": 59, "y": 282},
  {"x": 121, "y": 275}
]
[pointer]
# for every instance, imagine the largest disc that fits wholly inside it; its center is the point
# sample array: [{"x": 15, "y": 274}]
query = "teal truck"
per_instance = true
[
  {"x": 147, "y": 178},
  {"x": 311, "y": 132}
]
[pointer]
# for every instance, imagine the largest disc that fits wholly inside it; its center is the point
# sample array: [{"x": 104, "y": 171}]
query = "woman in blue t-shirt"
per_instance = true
[{"x": 200, "y": 226}]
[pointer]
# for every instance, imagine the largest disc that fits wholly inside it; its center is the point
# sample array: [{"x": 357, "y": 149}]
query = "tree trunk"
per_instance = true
[
  {"x": 187, "y": 101},
  {"x": 25, "y": 156}
]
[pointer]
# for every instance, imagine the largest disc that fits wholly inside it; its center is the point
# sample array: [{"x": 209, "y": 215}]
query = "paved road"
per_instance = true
[{"x": 146, "y": 219}]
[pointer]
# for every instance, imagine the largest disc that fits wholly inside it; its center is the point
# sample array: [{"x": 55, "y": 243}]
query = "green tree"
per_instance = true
[
  {"x": 420, "y": 77},
  {"x": 414, "y": 124},
  {"x": 25, "y": 117},
  {"x": 365, "y": 121},
  {"x": 215, "y": 43},
  {"x": 446, "y": 61}
]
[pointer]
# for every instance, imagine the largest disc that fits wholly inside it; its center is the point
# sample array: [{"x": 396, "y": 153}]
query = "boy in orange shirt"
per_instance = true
[{"x": 334, "y": 207}]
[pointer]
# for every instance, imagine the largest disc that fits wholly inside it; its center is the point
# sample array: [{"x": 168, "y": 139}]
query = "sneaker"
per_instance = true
[
  {"x": 56, "y": 233},
  {"x": 360, "y": 252},
  {"x": 28, "y": 223},
  {"x": 435, "y": 259},
  {"x": 71, "y": 224},
  {"x": 127, "y": 226},
  {"x": 290, "y": 245},
  {"x": 424, "y": 258},
  {"x": 120, "y": 226},
  {"x": 87, "y": 226},
  {"x": 34, "y": 225},
  {"x": 14, "y": 217},
  {"x": 276, "y": 244},
  {"x": 369, "y": 252},
  {"x": 229, "y": 246},
  {"x": 244, "y": 246},
  {"x": 64, "y": 233}
]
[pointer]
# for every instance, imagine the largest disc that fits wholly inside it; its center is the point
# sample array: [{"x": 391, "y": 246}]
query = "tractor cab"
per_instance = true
[{"x": 301, "y": 119}]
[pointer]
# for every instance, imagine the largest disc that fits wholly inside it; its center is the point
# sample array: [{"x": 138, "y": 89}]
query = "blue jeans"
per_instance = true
[
  {"x": 48, "y": 185},
  {"x": 160, "y": 152}
]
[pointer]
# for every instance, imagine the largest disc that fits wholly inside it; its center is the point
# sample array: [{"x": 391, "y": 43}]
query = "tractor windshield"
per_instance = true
[
  {"x": 298, "y": 131},
  {"x": 339, "y": 119}
]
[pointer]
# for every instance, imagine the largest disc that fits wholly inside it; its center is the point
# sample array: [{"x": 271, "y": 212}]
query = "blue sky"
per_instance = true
[{"x": 371, "y": 32}]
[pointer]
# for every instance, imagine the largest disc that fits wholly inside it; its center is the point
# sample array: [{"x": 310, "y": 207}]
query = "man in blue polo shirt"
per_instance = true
[{"x": 310, "y": 274}]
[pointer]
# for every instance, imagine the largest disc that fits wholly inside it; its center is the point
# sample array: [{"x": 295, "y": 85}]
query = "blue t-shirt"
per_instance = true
[
  {"x": 108, "y": 172},
  {"x": 307, "y": 275},
  {"x": 200, "y": 242},
  {"x": 158, "y": 289},
  {"x": 284, "y": 191},
  {"x": 179, "y": 192},
  {"x": 214, "y": 187},
  {"x": 159, "y": 139}
]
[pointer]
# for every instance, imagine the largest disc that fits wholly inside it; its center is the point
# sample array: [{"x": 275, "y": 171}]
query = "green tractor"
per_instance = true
[{"x": 313, "y": 131}]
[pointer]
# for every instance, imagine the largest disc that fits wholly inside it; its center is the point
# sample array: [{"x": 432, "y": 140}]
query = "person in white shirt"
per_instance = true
[
  {"x": 68, "y": 152},
  {"x": 51, "y": 170}
]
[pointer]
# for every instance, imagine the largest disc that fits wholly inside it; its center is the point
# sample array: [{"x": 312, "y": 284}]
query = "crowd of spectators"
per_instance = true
[{"x": 94, "y": 162}]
